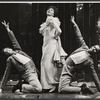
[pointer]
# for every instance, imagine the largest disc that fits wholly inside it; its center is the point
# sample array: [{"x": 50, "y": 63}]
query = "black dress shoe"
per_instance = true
[
  {"x": 85, "y": 89},
  {"x": 17, "y": 86},
  {"x": 45, "y": 90}
]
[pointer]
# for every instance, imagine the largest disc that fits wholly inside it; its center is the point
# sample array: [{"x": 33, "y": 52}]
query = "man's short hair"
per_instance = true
[
  {"x": 97, "y": 48},
  {"x": 2, "y": 51}
]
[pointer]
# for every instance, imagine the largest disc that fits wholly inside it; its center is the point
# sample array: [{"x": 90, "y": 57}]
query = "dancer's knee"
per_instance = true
[{"x": 39, "y": 88}]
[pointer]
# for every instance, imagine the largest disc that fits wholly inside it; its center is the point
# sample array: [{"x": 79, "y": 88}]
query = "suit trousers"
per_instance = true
[
  {"x": 65, "y": 83},
  {"x": 31, "y": 77},
  {"x": 33, "y": 84},
  {"x": 70, "y": 69}
]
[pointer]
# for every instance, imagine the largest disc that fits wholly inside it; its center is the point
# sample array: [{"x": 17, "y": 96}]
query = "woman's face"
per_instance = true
[{"x": 50, "y": 12}]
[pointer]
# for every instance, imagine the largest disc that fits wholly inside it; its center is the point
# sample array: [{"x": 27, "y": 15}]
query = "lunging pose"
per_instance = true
[
  {"x": 77, "y": 61},
  {"x": 23, "y": 64}
]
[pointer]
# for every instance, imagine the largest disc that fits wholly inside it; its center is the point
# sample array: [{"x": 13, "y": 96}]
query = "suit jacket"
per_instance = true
[
  {"x": 12, "y": 61},
  {"x": 80, "y": 40}
]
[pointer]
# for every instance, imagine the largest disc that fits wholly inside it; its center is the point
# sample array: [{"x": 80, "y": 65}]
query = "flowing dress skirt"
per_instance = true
[{"x": 49, "y": 71}]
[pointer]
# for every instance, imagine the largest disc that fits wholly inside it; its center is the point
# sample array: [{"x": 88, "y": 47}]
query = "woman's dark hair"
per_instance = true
[{"x": 55, "y": 10}]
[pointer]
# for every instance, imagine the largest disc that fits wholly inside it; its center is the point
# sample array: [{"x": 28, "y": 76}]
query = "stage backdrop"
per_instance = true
[{"x": 25, "y": 20}]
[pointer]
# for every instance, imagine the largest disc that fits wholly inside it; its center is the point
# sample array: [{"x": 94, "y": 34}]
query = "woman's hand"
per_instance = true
[
  {"x": 49, "y": 20},
  {"x": 53, "y": 37}
]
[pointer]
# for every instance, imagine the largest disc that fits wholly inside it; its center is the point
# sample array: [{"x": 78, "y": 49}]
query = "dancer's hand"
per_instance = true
[
  {"x": 49, "y": 20},
  {"x": 6, "y": 25},
  {"x": 72, "y": 20}
]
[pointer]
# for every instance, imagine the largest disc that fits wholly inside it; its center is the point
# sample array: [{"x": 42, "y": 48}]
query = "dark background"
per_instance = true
[{"x": 25, "y": 20}]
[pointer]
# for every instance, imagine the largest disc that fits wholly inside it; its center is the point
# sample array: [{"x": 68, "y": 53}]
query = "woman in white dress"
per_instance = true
[{"x": 52, "y": 51}]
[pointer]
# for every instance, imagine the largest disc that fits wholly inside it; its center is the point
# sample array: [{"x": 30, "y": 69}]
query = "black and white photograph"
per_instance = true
[{"x": 50, "y": 50}]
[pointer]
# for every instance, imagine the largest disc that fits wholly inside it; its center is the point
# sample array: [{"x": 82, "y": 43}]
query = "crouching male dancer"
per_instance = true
[
  {"x": 23, "y": 64},
  {"x": 78, "y": 60}
]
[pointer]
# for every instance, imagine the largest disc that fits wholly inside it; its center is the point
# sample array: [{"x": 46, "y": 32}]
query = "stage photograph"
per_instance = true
[{"x": 50, "y": 50}]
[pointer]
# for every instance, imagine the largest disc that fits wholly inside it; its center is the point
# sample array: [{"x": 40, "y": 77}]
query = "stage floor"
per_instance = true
[{"x": 7, "y": 94}]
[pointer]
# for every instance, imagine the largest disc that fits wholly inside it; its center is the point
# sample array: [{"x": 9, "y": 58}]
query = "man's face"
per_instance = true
[
  {"x": 8, "y": 51},
  {"x": 95, "y": 49}
]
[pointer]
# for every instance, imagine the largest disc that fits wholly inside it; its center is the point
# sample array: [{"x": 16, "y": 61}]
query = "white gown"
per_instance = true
[{"x": 51, "y": 51}]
